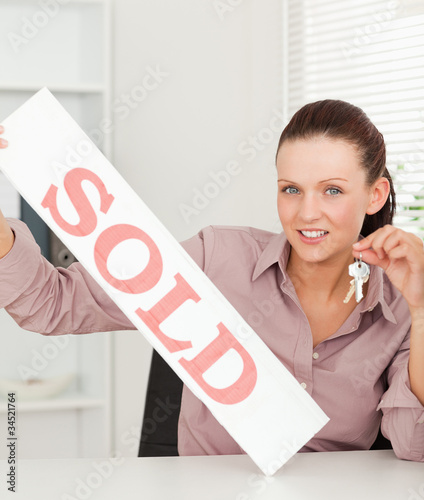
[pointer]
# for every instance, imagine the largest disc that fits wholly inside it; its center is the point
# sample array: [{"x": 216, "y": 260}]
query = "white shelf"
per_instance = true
[
  {"x": 65, "y": 49},
  {"x": 71, "y": 402},
  {"x": 71, "y": 56},
  {"x": 34, "y": 87},
  {"x": 36, "y": 3}
]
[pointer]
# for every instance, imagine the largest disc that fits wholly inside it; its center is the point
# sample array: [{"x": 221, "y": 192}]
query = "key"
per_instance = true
[
  {"x": 350, "y": 292},
  {"x": 360, "y": 272}
]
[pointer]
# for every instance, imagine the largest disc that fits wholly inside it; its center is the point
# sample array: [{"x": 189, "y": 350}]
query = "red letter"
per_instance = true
[
  {"x": 72, "y": 184},
  {"x": 242, "y": 387},
  {"x": 164, "y": 308},
  {"x": 109, "y": 239}
]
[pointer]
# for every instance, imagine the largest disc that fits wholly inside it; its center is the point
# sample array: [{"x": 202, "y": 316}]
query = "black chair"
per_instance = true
[
  {"x": 381, "y": 443},
  {"x": 160, "y": 422},
  {"x": 162, "y": 409}
]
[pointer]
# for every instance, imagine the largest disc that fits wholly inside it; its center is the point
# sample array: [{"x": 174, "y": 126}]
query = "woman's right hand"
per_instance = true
[
  {"x": 6, "y": 234},
  {"x": 3, "y": 142}
]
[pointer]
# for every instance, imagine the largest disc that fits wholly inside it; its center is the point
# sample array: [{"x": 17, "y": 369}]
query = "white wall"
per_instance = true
[{"x": 222, "y": 90}]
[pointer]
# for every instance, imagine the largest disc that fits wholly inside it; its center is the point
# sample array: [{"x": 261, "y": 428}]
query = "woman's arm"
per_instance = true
[
  {"x": 403, "y": 414},
  {"x": 49, "y": 300},
  {"x": 416, "y": 356},
  {"x": 401, "y": 255},
  {"x": 6, "y": 234}
]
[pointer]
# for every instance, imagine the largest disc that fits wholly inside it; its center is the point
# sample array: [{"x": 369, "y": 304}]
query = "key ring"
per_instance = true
[{"x": 360, "y": 260}]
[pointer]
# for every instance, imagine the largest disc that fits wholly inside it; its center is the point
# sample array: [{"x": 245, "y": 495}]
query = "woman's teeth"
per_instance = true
[{"x": 313, "y": 234}]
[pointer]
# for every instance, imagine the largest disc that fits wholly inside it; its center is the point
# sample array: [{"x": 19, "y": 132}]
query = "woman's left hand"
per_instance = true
[{"x": 401, "y": 255}]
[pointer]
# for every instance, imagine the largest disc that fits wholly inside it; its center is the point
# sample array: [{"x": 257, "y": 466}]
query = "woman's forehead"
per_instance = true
[{"x": 318, "y": 158}]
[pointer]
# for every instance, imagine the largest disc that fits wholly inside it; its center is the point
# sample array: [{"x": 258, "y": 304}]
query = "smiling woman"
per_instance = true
[
  {"x": 362, "y": 362},
  {"x": 322, "y": 190},
  {"x": 340, "y": 121},
  {"x": 332, "y": 186}
]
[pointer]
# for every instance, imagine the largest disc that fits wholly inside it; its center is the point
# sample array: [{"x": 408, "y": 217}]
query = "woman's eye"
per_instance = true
[
  {"x": 290, "y": 190},
  {"x": 334, "y": 191}
]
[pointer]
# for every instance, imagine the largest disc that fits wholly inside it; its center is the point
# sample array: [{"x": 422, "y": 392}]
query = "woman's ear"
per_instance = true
[{"x": 380, "y": 191}]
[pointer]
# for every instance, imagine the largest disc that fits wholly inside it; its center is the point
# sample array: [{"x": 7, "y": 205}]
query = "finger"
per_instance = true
[
  {"x": 400, "y": 251},
  {"x": 410, "y": 255},
  {"x": 390, "y": 241},
  {"x": 393, "y": 245},
  {"x": 368, "y": 241},
  {"x": 381, "y": 241},
  {"x": 387, "y": 239},
  {"x": 363, "y": 244},
  {"x": 418, "y": 242},
  {"x": 3, "y": 142},
  {"x": 371, "y": 257},
  {"x": 401, "y": 244}
]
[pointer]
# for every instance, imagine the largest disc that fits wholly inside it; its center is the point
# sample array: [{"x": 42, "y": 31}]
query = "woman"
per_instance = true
[{"x": 361, "y": 362}]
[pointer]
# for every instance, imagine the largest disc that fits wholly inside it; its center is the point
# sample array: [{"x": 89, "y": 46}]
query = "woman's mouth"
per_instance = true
[{"x": 315, "y": 236}]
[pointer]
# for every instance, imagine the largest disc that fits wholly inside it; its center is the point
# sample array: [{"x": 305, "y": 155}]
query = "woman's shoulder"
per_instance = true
[
  {"x": 218, "y": 244},
  {"x": 238, "y": 234}
]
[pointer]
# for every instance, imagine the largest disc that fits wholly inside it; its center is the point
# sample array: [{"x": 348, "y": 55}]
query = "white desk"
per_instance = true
[{"x": 357, "y": 475}]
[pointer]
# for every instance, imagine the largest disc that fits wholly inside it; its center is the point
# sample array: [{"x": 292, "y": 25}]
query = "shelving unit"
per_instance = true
[{"x": 69, "y": 52}]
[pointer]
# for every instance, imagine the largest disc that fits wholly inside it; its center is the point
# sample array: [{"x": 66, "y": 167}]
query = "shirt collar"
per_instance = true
[
  {"x": 375, "y": 294},
  {"x": 277, "y": 250}
]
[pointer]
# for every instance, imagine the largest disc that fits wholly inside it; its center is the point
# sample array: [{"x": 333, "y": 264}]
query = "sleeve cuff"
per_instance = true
[
  {"x": 399, "y": 394},
  {"x": 19, "y": 267}
]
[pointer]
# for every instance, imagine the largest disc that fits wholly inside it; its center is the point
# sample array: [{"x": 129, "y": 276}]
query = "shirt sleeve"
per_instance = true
[
  {"x": 195, "y": 247},
  {"x": 56, "y": 301},
  {"x": 49, "y": 300},
  {"x": 403, "y": 414}
]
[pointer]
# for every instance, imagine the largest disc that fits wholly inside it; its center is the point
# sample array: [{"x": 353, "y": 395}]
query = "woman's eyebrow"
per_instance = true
[
  {"x": 333, "y": 179},
  {"x": 320, "y": 182}
]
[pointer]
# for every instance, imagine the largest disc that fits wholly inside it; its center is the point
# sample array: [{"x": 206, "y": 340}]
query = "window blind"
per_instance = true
[{"x": 369, "y": 53}]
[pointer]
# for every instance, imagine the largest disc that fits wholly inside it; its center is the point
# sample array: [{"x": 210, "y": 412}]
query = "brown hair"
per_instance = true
[{"x": 344, "y": 121}]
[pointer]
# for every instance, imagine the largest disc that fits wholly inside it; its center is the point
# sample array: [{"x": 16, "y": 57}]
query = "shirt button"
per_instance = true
[
  {"x": 315, "y": 355},
  {"x": 370, "y": 309},
  {"x": 303, "y": 385}
]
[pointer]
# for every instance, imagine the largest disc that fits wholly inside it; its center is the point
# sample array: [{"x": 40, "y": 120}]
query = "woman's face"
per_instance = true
[{"x": 322, "y": 197}]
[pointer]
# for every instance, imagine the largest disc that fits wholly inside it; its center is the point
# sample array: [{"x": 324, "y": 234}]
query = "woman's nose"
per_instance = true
[{"x": 310, "y": 209}]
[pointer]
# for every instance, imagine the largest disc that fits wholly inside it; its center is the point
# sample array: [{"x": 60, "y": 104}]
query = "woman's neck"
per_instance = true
[{"x": 326, "y": 280}]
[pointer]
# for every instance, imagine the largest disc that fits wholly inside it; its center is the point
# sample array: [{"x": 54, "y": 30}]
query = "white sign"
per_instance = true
[{"x": 74, "y": 188}]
